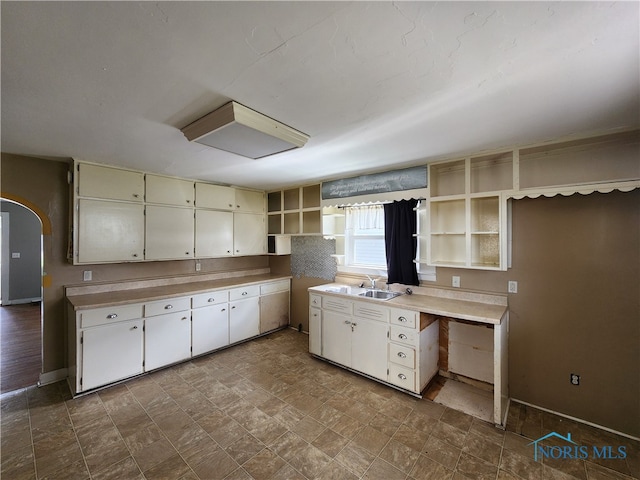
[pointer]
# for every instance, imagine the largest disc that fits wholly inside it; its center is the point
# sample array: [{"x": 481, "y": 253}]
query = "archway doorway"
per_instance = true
[{"x": 21, "y": 267}]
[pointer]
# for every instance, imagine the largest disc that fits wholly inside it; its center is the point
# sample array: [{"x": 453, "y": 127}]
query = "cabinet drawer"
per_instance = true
[
  {"x": 402, "y": 355},
  {"x": 167, "y": 306},
  {"x": 405, "y": 318},
  {"x": 315, "y": 300},
  {"x": 338, "y": 304},
  {"x": 244, "y": 292},
  {"x": 106, "y": 315},
  {"x": 403, "y": 335},
  {"x": 211, "y": 298},
  {"x": 402, "y": 376},
  {"x": 371, "y": 311},
  {"x": 280, "y": 286}
]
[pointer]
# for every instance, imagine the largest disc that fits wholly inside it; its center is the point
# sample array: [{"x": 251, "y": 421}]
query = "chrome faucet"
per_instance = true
[{"x": 373, "y": 282}]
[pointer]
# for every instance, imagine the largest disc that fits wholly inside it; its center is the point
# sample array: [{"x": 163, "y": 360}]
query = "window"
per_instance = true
[{"x": 364, "y": 237}]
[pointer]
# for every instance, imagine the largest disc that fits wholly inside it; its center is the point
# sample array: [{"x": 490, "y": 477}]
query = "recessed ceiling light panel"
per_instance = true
[{"x": 238, "y": 129}]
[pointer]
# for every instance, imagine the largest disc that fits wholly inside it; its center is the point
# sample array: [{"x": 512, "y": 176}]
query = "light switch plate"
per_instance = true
[
  {"x": 455, "y": 281},
  {"x": 513, "y": 286},
  {"x": 87, "y": 275}
]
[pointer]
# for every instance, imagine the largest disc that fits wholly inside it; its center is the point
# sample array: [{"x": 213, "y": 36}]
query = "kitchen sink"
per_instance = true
[{"x": 379, "y": 294}]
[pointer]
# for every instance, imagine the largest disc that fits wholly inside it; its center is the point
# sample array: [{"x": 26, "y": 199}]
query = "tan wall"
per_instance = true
[{"x": 42, "y": 185}]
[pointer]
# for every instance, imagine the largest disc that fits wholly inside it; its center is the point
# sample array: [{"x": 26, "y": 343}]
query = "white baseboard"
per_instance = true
[
  {"x": 576, "y": 419},
  {"x": 52, "y": 377}
]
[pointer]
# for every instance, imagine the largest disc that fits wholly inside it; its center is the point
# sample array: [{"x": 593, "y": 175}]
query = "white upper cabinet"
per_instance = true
[
  {"x": 109, "y": 231},
  {"x": 111, "y": 183},
  {"x": 169, "y": 191},
  {"x": 214, "y": 233},
  {"x": 169, "y": 233},
  {"x": 249, "y": 201},
  {"x": 249, "y": 236},
  {"x": 217, "y": 197}
]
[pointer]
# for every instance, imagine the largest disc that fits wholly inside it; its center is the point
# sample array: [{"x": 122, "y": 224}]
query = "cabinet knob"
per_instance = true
[
  {"x": 402, "y": 355},
  {"x": 188, "y": 201},
  {"x": 211, "y": 300},
  {"x": 183, "y": 318},
  {"x": 168, "y": 307},
  {"x": 228, "y": 251},
  {"x": 231, "y": 205},
  {"x": 245, "y": 293},
  {"x": 402, "y": 336},
  {"x": 402, "y": 376},
  {"x": 237, "y": 206},
  {"x": 135, "y": 195},
  {"x": 232, "y": 308},
  {"x": 135, "y": 327},
  {"x": 223, "y": 310},
  {"x": 135, "y": 255},
  {"x": 112, "y": 316},
  {"x": 402, "y": 319},
  {"x": 186, "y": 253}
]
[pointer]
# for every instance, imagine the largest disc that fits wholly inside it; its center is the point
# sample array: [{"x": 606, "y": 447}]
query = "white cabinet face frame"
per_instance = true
[{"x": 109, "y": 231}]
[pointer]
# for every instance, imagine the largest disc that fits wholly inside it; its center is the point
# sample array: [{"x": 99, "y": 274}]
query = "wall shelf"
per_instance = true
[{"x": 294, "y": 211}]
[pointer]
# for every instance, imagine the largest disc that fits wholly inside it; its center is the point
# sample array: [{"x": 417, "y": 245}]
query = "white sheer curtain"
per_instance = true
[{"x": 365, "y": 217}]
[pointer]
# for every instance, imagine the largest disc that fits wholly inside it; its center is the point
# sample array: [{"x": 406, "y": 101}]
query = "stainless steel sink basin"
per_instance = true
[{"x": 379, "y": 294}]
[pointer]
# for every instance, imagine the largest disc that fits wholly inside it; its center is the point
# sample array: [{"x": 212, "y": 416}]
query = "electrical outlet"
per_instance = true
[
  {"x": 513, "y": 286},
  {"x": 87, "y": 275},
  {"x": 455, "y": 281},
  {"x": 198, "y": 266},
  {"x": 574, "y": 378}
]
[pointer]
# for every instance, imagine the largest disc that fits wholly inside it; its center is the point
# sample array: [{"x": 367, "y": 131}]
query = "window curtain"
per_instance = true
[
  {"x": 400, "y": 242},
  {"x": 365, "y": 217}
]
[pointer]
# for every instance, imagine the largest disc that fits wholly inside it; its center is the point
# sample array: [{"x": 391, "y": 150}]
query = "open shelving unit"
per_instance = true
[{"x": 294, "y": 211}]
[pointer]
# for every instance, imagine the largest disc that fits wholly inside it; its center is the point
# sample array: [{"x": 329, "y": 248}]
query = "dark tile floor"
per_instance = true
[{"x": 267, "y": 410}]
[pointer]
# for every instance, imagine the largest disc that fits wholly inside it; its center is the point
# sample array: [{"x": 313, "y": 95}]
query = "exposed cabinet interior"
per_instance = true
[{"x": 491, "y": 173}]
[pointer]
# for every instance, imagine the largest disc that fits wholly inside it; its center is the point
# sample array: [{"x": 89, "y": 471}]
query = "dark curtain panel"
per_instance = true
[{"x": 400, "y": 242}]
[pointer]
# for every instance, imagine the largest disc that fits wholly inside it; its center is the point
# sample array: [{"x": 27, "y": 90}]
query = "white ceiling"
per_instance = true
[{"x": 375, "y": 84}]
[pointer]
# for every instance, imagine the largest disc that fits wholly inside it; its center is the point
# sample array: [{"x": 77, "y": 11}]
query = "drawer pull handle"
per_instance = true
[
  {"x": 168, "y": 307},
  {"x": 245, "y": 293},
  {"x": 347, "y": 322},
  {"x": 183, "y": 318},
  {"x": 211, "y": 300},
  {"x": 233, "y": 308},
  {"x": 402, "y": 376},
  {"x": 402, "y": 319},
  {"x": 111, "y": 316},
  {"x": 223, "y": 310},
  {"x": 402, "y": 336},
  {"x": 402, "y": 355}
]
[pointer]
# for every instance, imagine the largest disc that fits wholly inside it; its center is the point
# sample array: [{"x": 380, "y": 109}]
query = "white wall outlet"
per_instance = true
[
  {"x": 513, "y": 286},
  {"x": 574, "y": 378},
  {"x": 87, "y": 275},
  {"x": 455, "y": 281},
  {"x": 15, "y": 254},
  {"x": 198, "y": 267}
]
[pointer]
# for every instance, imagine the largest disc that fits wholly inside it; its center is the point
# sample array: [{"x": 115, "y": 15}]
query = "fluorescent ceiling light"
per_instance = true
[{"x": 238, "y": 129}]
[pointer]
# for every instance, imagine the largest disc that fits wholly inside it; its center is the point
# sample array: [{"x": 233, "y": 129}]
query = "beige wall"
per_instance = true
[
  {"x": 576, "y": 260},
  {"x": 42, "y": 185}
]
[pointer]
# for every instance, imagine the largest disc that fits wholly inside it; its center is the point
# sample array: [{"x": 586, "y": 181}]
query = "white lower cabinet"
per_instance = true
[
  {"x": 167, "y": 339},
  {"x": 209, "y": 328},
  {"x": 390, "y": 344},
  {"x": 99, "y": 365},
  {"x": 112, "y": 343}
]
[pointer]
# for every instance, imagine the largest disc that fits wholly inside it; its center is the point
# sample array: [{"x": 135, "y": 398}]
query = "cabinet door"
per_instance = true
[
  {"x": 249, "y": 237},
  {"x": 336, "y": 337},
  {"x": 111, "y": 183},
  {"x": 169, "y": 191},
  {"x": 369, "y": 347},
  {"x": 209, "y": 328},
  {"x": 274, "y": 311},
  {"x": 244, "y": 319},
  {"x": 315, "y": 331},
  {"x": 214, "y": 233},
  {"x": 167, "y": 339},
  {"x": 249, "y": 201},
  {"x": 215, "y": 196},
  {"x": 169, "y": 233},
  {"x": 111, "y": 353},
  {"x": 109, "y": 231}
]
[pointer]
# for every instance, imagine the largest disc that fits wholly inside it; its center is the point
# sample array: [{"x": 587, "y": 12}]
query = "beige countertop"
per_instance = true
[
  {"x": 146, "y": 294},
  {"x": 449, "y": 307}
]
